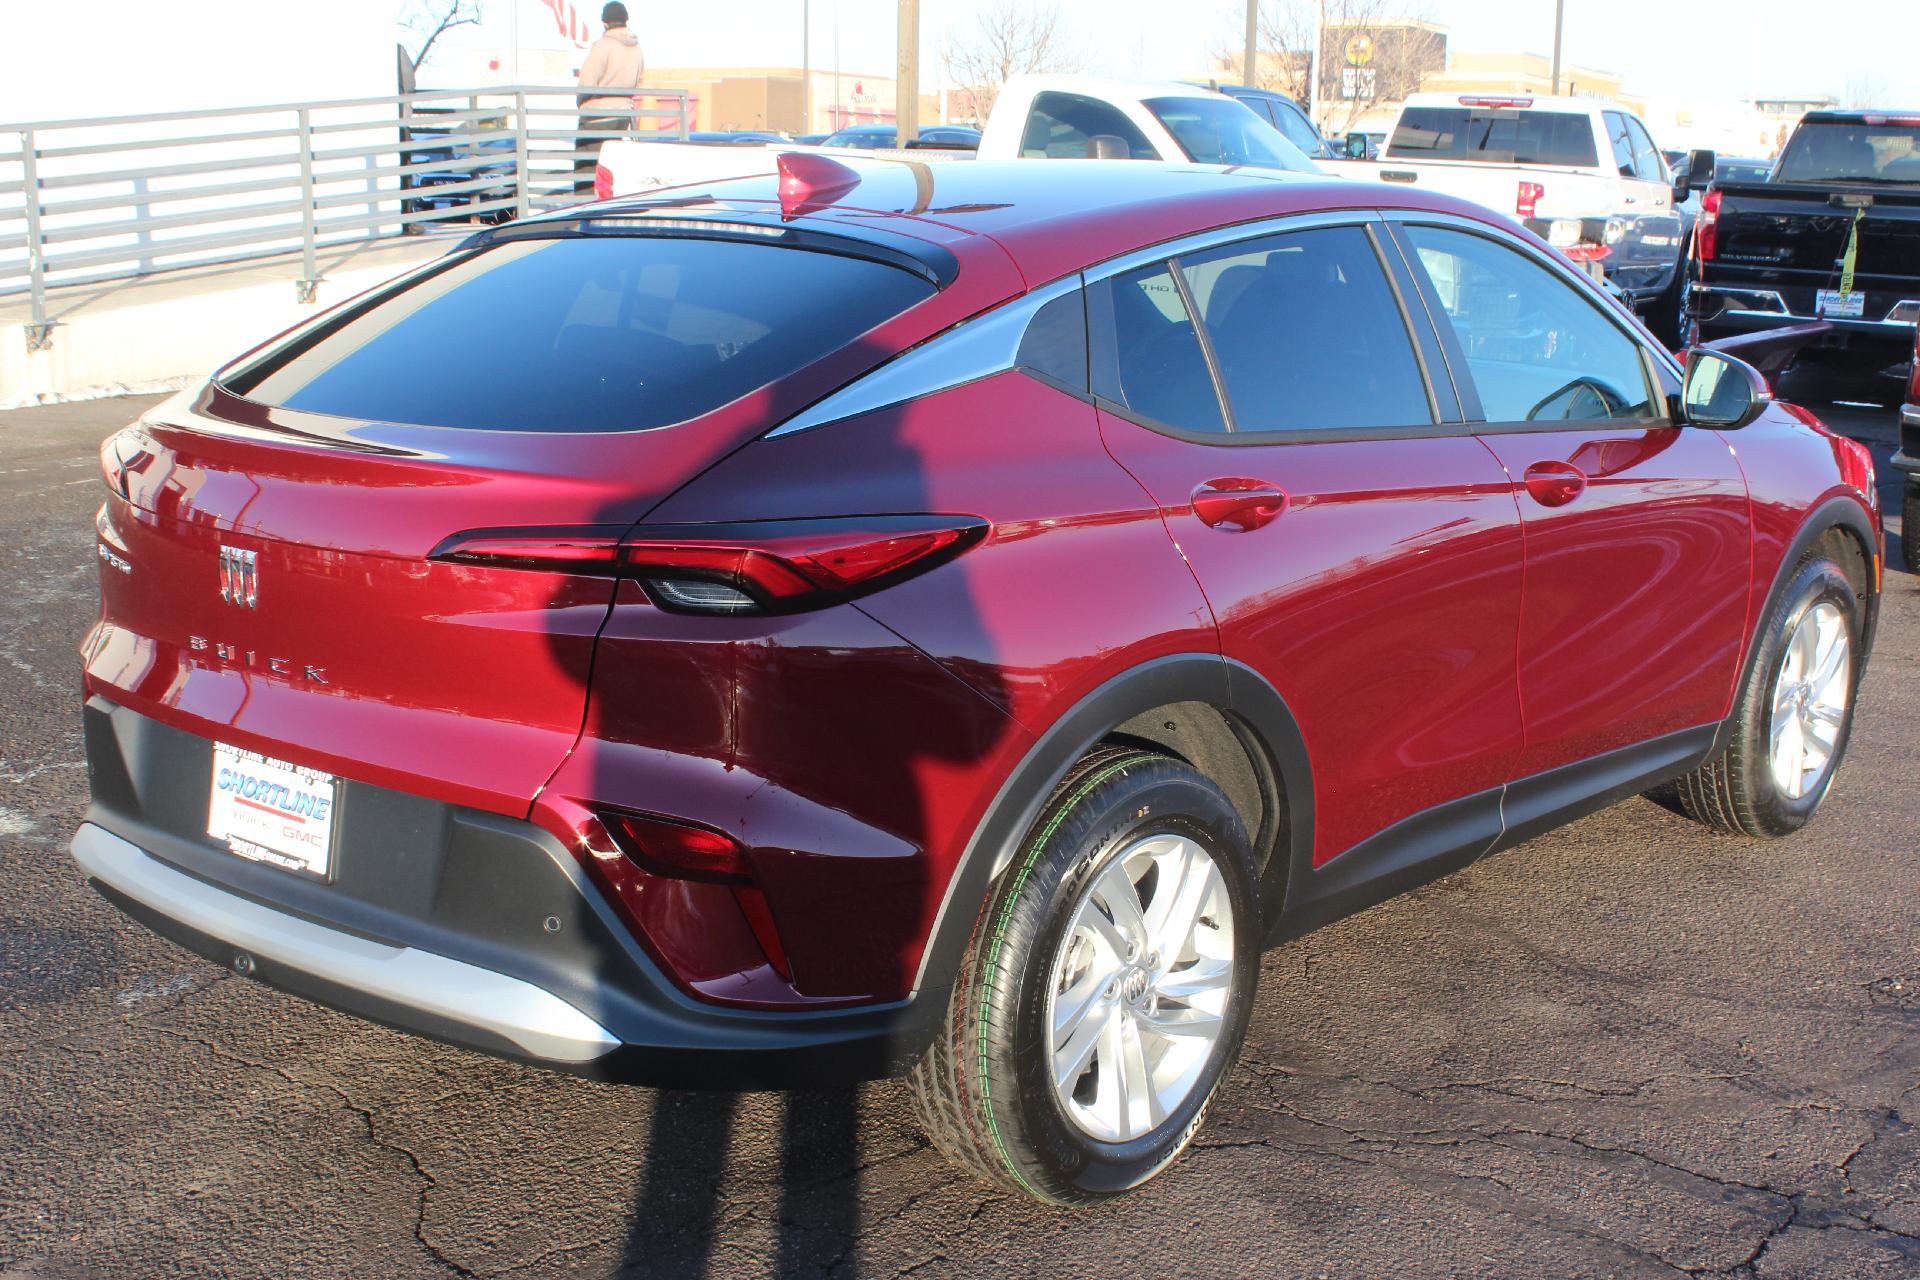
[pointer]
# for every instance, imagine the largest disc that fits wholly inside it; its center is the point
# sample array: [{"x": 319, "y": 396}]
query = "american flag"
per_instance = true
[{"x": 567, "y": 18}]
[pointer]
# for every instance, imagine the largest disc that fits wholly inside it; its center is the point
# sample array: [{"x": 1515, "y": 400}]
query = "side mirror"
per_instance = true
[
  {"x": 1356, "y": 146},
  {"x": 1699, "y": 175},
  {"x": 1722, "y": 392}
]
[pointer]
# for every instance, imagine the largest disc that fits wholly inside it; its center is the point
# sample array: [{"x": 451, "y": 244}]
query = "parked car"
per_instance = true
[
  {"x": 1284, "y": 114},
  {"x": 1135, "y": 566},
  {"x": 1832, "y": 232},
  {"x": 474, "y": 163},
  {"x": 1037, "y": 117},
  {"x": 952, "y": 137},
  {"x": 738, "y": 137},
  {"x": 866, "y": 137},
  {"x": 1576, "y": 161},
  {"x": 812, "y": 139}
]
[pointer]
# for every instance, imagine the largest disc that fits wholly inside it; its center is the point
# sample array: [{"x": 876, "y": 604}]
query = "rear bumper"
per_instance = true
[
  {"x": 466, "y": 927},
  {"x": 489, "y": 1007}
]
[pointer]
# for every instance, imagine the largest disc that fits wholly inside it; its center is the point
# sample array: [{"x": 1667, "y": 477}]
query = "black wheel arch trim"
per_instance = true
[
  {"x": 1837, "y": 512},
  {"x": 1187, "y": 677}
]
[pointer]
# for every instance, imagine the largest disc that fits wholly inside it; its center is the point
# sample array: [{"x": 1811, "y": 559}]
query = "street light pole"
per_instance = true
[
  {"x": 806, "y": 66},
  {"x": 1253, "y": 46},
  {"x": 1559, "y": 13}
]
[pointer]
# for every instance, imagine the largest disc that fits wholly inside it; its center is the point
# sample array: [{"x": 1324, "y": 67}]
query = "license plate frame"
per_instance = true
[
  {"x": 1829, "y": 304},
  {"x": 272, "y": 811}
]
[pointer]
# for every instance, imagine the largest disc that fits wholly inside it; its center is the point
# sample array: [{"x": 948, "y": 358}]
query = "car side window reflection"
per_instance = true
[
  {"x": 1537, "y": 350},
  {"x": 1307, "y": 334},
  {"x": 1153, "y": 363}
]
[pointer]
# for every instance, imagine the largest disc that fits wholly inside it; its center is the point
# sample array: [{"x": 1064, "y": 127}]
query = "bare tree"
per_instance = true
[
  {"x": 1007, "y": 38},
  {"x": 431, "y": 19},
  {"x": 1865, "y": 90},
  {"x": 1371, "y": 53}
]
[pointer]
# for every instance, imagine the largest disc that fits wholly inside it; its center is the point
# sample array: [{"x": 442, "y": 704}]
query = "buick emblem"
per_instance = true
[{"x": 239, "y": 576}]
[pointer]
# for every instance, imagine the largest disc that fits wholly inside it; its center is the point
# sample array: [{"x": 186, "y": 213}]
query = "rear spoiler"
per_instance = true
[{"x": 1770, "y": 350}]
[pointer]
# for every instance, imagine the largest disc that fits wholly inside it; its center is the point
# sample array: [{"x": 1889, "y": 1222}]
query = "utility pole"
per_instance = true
[
  {"x": 1313, "y": 61},
  {"x": 906, "y": 88},
  {"x": 1559, "y": 13},
  {"x": 806, "y": 66},
  {"x": 1247, "y": 68}
]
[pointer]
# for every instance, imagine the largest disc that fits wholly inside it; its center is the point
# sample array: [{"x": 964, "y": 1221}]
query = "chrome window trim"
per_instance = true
[
  {"x": 1218, "y": 236},
  {"x": 1582, "y": 282},
  {"x": 978, "y": 347}
]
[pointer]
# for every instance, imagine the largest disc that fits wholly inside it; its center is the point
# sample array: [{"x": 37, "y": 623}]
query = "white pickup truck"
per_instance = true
[
  {"x": 1583, "y": 172},
  {"x": 1037, "y": 117}
]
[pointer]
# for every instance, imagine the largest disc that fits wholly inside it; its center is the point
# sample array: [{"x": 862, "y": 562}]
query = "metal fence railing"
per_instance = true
[{"x": 84, "y": 201}]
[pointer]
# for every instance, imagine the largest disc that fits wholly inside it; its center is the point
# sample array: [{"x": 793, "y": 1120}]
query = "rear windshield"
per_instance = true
[
  {"x": 1852, "y": 151},
  {"x": 1495, "y": 135},
  {"x": 602, "y": 333},
  {"x": 1222, "y": 131}
]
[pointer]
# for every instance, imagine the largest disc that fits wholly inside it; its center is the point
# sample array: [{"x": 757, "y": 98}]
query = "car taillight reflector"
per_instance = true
[
  {"x": 1587, "y": 251},
  {"x": 774, "y": 566},
  {"x": 1707, "y": 231},
  {"x": 676, "y": 849},
  {"x": 602, "y": 182},
  {"x": 682, "y": 851},
  {"x": 1529, "y": 197}
]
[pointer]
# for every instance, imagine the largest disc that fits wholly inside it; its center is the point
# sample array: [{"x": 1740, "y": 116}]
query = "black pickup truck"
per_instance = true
[{"x": 1833, "y": 233}]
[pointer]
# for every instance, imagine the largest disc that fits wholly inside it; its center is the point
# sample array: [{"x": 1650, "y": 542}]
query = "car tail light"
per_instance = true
[
  {"x": 602, "y": 182},
  {"x": 1467, "y": 100},
  {"x": 1530, "y": 193},
  {"x": 1588, "y": 251},
  {"x": 682, "y": 851},
  {"x": 1707, "y": 230},
  {"x": 775, "y": 566}
]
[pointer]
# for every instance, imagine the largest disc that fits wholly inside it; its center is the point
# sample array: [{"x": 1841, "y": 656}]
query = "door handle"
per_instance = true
[
  {"x": 1238, "y": 504},
  {"x": 1555, "y": 484}
]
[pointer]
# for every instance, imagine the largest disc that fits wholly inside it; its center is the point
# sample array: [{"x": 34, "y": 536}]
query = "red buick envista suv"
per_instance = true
[{"x": 944, "y": 618}]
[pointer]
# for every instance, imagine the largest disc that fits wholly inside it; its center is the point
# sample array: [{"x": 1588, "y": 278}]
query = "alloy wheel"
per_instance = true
[
  {"x": 1139, "y": 988},
  {"x": 1810, "y": 697}
]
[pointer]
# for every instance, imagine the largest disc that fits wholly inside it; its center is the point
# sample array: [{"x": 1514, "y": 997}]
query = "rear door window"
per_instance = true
[
  {"x": 1648, "y": 164},
  {"x": 1621, "y": 142},
  {"x": 1295, "y": 127},
  {"x": 1307, "y": 334},
  {"x": 1062, "y": 126},
  {"x": 1148, "y": 354},
  {"x": 598, "y": 333},
  {"x": 1537, "y": 351},
  {"x": 1494, "y": 135}
]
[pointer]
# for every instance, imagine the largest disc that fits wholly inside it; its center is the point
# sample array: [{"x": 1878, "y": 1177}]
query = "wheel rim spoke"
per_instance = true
[
  {"x": 1200, "y": 978},
  {"x": 1172, "y": 1024}
]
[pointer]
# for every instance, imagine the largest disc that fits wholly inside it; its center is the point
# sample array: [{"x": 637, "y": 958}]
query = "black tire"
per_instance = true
[
  {"x": 1735, "y": 791},
  {"x": 983, "y": 1089},
  {"x": 1910, "y": 527}
]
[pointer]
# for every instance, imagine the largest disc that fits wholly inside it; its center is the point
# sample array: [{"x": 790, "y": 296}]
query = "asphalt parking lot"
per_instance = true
[{"x": 1629, "y": 1048}]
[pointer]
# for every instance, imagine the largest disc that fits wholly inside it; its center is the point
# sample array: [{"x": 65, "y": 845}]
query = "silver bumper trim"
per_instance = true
[{"x": 539, "y": 1022}]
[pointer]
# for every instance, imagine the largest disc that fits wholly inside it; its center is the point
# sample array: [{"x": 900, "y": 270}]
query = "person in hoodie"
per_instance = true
[{"x": 615, "y": 62}]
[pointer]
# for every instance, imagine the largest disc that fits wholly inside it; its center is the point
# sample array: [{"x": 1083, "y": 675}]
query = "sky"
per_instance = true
[{"x": 1696, "y": 48}]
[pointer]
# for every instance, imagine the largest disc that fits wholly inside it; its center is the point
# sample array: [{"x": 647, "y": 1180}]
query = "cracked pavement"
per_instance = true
[{"x": 1628, "y": 1048}]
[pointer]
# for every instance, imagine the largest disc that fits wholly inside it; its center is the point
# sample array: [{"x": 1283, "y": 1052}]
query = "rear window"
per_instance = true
[
  {"x": 1494, "y": 135},
  {"x": 1853, "y": 151},
  {"x": 601, "y": 333}
]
